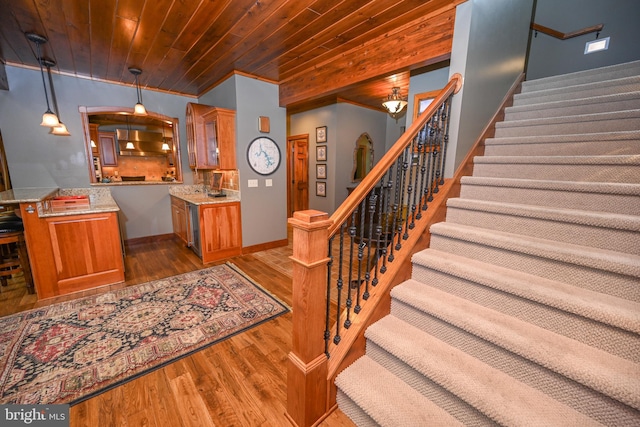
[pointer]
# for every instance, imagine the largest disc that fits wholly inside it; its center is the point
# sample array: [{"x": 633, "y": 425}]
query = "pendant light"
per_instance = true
[
  {"x": 129, "y": 145},
  {"x": 165, "y": 145},
  {"x": 48, "y": 118},
  {"x": 60, "y": 129},
  {"x": 139, "y": 109},
  {"x": 394, "y": 103}
]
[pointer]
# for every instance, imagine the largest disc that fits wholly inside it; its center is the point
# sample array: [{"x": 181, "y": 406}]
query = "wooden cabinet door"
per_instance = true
[
  {"x": 220, "y": 230},
  {"x": 211, "y": 137},
  {"x": 108, "y": 148},
  {"x": 73, "y": 253},
  {"x": 179, "y": 219}
]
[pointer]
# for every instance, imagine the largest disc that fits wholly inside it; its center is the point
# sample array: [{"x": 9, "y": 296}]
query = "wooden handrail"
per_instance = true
[
  {"x": 376, "y": 173},
  {"x": 564, "y": 36}
]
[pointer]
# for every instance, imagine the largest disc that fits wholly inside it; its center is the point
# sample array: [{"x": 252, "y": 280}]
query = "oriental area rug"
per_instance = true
[{"x": 71, "y": 351}]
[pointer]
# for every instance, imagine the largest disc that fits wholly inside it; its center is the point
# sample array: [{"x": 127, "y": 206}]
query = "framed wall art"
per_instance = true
[
  {"x": 321, "y": 171},
  {"x": 321, "y": 189},
  {"x": 421, "y": 101},
  {"x": 321, "y": 153},
  {"x": 321, "y": 134}
]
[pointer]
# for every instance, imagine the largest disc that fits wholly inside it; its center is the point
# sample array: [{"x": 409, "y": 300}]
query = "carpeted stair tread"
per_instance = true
[
  {"x": 628, "y": 120},
  {"x": 564, "y": 108},
  {"x": 606, "y": 309},
  {"x": 408, "y": 408},
  {"x": 578, "y": 91},
  {"x": 611, "y": 72},
  {"x": 586, "y": 256},
  {"x": 491, "y": 391},
  {"x": 587, "y": 144},
  {"x": 611, "y": 375},
  {"x": 622, "y": 169},
  {"x": 597, "y": 229},
  {"x": 620, "y": 198}
]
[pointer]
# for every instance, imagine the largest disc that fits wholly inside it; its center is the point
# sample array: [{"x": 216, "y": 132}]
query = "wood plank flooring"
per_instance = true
[{"x": 238, "y": 382}]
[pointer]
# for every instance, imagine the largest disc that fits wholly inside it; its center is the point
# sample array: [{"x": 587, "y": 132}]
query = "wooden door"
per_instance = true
[{"x": 298, "y": 173}]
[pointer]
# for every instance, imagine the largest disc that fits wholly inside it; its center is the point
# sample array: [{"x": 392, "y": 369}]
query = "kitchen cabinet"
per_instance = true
[
  {"x": 71, "y": 253},
  {"x": 180, "y": 219},
  {"x": 211, "y": 137},
  {"x": 220, "y": 231},
  {"x": 108, "y": 148}
]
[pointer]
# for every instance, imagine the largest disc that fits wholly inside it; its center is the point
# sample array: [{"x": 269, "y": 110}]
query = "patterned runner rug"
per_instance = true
[{"x": 71, "y": 351}]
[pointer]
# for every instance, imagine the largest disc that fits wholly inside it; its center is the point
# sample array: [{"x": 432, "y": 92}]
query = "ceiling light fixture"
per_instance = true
[
  {"x": 139, "y": 109},
  {"x": 165, "y": 145},
  {"x": 48, "y": 118},
  {"x": 60, "y": 129},
  {"x": 394, "y": 103}
]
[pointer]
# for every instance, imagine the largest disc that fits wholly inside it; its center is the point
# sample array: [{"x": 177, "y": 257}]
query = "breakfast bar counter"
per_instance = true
[{"x": 72, "y": 236}]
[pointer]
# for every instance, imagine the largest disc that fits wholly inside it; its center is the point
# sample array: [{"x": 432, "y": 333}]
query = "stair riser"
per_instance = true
[
  {"x": 584, "y": 400},
  {"x": 569, "y": 93},
  {"x": 578, "y": 234},
  {"x": 582, "y": 77},
  {"x": 593, "y": 279},
  {"x": 590, "y": 148},
  {"x": 457, "y": 407},
  {"x": 570, "y": 128},
  {"x": 592, "y": 108},
  {"x": 589, "y": 173},
  {"x": 353, "y": 411},
  {"x": 598, "y": 202}
]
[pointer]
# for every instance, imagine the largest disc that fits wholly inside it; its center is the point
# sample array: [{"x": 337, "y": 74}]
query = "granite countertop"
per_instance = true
[
  {"x": 100, "y": 199},
  {"x": 197, "y": 195},
  {"x": 26, "y": 195}
]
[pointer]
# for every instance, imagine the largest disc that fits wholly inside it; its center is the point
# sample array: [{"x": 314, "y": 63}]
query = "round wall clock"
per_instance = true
[{"x": 263, "y": 155}]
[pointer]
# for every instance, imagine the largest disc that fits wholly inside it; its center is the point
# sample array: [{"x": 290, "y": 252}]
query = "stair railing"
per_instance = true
[{"x": 340, "y": 261}]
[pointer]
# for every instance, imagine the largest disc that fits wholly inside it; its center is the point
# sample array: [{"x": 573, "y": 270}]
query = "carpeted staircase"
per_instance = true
[{"x": 525, "y": 310}]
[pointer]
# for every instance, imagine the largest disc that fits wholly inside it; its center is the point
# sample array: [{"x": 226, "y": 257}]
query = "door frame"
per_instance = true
[{"x": 290, "y": 146}]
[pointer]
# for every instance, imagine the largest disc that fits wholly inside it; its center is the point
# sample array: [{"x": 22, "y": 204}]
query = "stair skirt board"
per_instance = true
[{"x": 525, "y": 309}]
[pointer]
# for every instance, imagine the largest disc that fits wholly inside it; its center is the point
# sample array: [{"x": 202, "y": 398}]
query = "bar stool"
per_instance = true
[{"x": 13, "y": 251}]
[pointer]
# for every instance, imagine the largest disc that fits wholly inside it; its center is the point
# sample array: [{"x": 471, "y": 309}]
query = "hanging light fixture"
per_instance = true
[
  {"x": 165, "y": 146},
  {"x": 129, "y": 145},
  {"x": 139, "y": 109},
  {"x": 60, "y": 129},
  {"x": 394, "y": 103},
  {"x": 48, "y": 118}
]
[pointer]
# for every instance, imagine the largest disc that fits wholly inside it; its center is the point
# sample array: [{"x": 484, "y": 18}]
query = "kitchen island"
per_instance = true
[
  {"x": 72, "y": 236},
  {"x": 211, "y": 226}
]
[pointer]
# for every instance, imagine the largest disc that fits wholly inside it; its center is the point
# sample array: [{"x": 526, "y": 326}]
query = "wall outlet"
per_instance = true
[
  {"x": 268, "y": 183},
  {"x": 252, "y": 183}
]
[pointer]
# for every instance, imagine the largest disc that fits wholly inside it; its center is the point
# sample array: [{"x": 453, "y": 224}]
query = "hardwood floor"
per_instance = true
[{"x": 238, "y": 382}]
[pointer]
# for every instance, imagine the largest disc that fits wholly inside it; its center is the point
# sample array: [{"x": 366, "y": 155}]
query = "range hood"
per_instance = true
[{"x": 144, "y": 143}]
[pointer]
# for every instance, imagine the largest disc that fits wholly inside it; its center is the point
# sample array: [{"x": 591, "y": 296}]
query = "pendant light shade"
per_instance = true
[
  {"x": 394, "y": 103},
  {"x": 48, "y": 118},
  {"x": 139, "y": 109},
  {"x": 60, "y": 129}
]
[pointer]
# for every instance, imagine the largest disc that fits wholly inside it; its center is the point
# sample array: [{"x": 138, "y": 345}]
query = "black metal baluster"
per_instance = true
[
  {"x": 361, "y": 245},
  {"x": 386, "y": 190},
  {"x": 327, "y": 330},
  {"x": 340, "y": 282},
  {"x": 352, "y": 235}
]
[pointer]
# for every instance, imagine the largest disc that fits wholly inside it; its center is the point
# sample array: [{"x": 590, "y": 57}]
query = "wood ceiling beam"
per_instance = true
[{"x": 417, "y": 44}]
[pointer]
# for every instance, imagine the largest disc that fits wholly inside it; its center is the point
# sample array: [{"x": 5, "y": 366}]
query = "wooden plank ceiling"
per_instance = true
[{"x": 318, "y": 51}]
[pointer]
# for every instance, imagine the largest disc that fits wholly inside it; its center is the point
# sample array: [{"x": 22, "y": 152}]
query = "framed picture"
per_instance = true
[
  {"x": 321, "y": 171},
  {"x": 321, "y": 188},
  {"x": 321, "y": 153},
  {"x": 421, "y": 101},
  {"x": 321, "y": 134}
]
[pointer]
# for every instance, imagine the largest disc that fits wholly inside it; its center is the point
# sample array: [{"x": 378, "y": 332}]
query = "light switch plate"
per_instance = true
[
  {"x": 252, "y": 183},
  {"x": 268, "y": 183}
]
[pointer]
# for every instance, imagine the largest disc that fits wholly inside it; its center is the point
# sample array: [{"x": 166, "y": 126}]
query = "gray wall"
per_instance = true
[
  {"x": 37, "y": 159},
  {"x": 264, "y": 209},
  {"x": 345, "y": 123},
  {"x": 489, "y": 48},
  {"x": 550, "y": 56},
  {"x": 425, "y": 82}
]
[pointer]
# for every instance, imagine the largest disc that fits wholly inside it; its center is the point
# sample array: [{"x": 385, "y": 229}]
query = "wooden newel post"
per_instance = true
[{"x": 307, "y": 366}]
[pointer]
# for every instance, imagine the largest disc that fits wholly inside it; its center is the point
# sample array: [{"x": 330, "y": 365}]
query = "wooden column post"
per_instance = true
[{"x": 307, "y": 366}]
